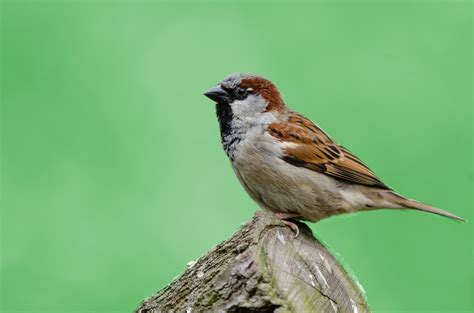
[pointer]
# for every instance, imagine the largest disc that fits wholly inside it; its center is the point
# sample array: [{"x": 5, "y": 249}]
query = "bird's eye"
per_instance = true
[{"x": 241, "y": 93}]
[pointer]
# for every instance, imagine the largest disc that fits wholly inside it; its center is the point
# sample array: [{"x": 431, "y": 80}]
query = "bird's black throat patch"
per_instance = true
[
  {"x": 229, "y": 137},
  {"x": 224, "y": 116}
]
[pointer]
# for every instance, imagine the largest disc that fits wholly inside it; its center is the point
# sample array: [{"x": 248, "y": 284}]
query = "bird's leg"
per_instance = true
[{"x": 283, "y": 218}]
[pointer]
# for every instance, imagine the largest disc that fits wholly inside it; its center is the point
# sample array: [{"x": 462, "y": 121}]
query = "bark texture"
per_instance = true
[{"x": 262, "y": 268}]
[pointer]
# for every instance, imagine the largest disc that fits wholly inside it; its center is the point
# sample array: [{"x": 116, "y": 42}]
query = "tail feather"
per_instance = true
[{"x": 406, "y": 203}]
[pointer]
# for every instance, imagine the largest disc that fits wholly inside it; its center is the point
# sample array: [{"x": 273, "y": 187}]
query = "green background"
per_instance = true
[{"x": 113, "y": 177}]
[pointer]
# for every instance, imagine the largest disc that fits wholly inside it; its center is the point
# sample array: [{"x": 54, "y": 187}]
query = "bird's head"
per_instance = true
[{"x": 247, "y": 95}]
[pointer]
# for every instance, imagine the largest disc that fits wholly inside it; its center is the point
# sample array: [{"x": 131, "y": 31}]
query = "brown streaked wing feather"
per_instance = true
[{"x": 317, "y": 152}]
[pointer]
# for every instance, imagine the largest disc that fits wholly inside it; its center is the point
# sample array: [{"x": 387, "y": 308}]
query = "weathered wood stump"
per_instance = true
[{"x": 262, "y": 268}]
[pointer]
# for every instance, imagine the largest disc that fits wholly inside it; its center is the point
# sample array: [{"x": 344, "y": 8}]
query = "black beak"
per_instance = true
[{"x": 217, "y": 94}]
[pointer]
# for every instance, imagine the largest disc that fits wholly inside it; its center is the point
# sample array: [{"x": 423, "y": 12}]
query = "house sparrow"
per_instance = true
[{"x": 290, "y": 166}]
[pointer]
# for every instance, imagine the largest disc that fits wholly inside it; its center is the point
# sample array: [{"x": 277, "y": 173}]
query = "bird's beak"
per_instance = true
[{"x": 217, "y": 94}]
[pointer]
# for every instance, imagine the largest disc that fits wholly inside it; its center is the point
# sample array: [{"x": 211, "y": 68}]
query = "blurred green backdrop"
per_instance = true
[{"x": 113, "y": 176}]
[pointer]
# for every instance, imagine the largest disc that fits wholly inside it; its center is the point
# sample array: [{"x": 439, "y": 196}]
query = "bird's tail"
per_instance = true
[{"x": 406, "y": 203}]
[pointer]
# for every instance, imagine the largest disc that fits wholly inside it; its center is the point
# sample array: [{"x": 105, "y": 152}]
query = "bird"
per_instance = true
[{"x": 288, "y": 165}]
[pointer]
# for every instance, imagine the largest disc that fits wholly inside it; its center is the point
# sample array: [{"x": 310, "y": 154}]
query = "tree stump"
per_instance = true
[{"x": 262, "y": 268}]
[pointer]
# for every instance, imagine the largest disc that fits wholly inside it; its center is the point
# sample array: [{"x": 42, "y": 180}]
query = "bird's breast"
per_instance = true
[
  {"x": 238, "y": 134},
  {"x": 231, "y": 143}
]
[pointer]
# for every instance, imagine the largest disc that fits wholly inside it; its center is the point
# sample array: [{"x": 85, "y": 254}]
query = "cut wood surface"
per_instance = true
[{"x": 262, "y": 268}]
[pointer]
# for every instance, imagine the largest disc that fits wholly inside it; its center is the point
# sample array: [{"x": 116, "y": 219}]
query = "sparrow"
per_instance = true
[{"x": 288, "y": 164}]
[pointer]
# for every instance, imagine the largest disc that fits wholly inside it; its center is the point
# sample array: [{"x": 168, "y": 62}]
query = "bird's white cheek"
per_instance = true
[{"x": 248, "y": 108}]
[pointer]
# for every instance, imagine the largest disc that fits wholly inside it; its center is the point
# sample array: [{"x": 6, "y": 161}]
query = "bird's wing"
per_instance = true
[{"x": 313, "y": 149}]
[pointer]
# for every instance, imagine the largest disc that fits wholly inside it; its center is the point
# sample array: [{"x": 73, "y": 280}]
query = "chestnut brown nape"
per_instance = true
[{"x": 266, "y": 89}]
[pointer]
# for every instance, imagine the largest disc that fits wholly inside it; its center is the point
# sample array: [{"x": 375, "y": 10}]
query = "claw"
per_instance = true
[
  {"x": 293, "y": 227},
  {"x": 283, "y": 218}
]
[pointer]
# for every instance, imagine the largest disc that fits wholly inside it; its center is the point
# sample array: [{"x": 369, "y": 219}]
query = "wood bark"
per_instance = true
[{"x": 262, "y": 268}]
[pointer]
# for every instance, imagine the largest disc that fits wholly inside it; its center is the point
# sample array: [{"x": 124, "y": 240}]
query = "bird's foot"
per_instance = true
[{"x": 283, "y": 218}]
